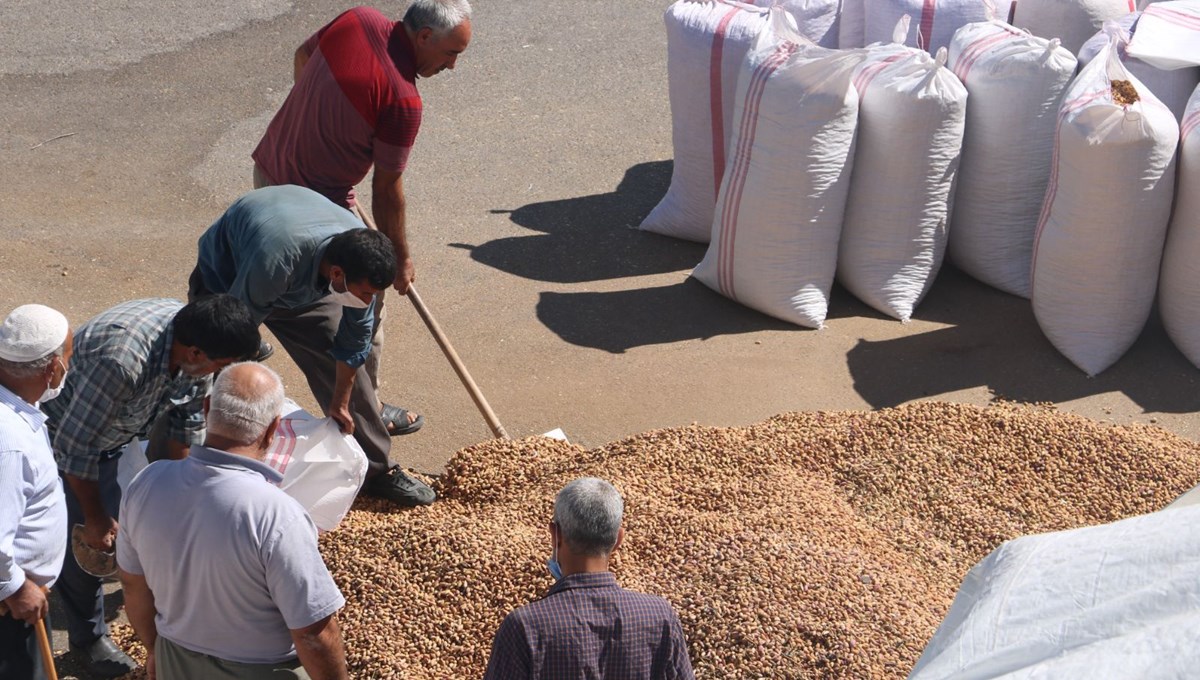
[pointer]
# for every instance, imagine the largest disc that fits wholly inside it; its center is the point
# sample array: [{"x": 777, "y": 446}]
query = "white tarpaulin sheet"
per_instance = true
[{"x": 1120, "y": 600}]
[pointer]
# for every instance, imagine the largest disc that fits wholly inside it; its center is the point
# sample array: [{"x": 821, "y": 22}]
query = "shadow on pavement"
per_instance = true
[
  {"x": 994, "y": 341},
  {"x": 592, "y": 238},
  {"x": 621, "y": 320}
]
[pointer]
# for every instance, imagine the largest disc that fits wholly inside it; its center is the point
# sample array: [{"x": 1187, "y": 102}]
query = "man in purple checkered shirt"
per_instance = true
[{"x": 587, "y": 626}]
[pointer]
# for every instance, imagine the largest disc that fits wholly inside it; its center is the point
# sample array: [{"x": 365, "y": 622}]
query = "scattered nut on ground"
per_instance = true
[{"x": 812, "y": 545}]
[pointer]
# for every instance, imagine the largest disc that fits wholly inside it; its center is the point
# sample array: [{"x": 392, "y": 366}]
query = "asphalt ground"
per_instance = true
[{"x": 126, "y": 128}]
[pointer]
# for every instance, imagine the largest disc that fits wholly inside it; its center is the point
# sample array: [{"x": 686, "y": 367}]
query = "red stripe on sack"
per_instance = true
[
  {"x": 732, "y": 195},
  {"x": 737, "y": 181},
  {"x": 927, "y": 23},
  {"x": 1132, "y": 6},
  {"x": 1175, "y": 17},
  {"x": 715, "y": 98},
  {"x": 974, "y": 51},
  {"x": 1052, "y": 186},
  {"x": 289, "y": 433},
  {"x": 863, "y": 80},
  {"x": 1189, "y": 124}
]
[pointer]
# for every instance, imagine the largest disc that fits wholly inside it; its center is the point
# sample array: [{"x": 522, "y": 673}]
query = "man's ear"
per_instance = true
[
  {"x": 620, "y": 537},
  {"x": 424, "y": 35},
  {"x": 269, "y": 435}
]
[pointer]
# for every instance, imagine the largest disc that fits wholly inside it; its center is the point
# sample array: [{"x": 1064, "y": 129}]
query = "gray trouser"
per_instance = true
[
  {"x": 82, "y": 594},
  {"x": 307, "y": 335},
  {"x": 173, "y": 662}
]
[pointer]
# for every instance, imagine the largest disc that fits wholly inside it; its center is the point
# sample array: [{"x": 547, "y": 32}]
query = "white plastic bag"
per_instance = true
[
  {"x": 1015, "y": 83},
  {"x": 934, "y": 22},
  {"x": 815, "y": 19},
  {"x": 910, "y": 128},
  {"x": 707, "y": 41},
  {"x": 1100, "y": 238},
  {"x": 1111, "y": 601},
  {"x": 1172, "y": 87},
  {"x": 321, "y": 467},
  {"x": 779, "y": 212},
  {"x": 1179, "y": 287},
  {"x": 1071, "y": 21}
]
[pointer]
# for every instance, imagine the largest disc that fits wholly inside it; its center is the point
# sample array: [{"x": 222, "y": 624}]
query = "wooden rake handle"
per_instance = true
[
  {"x": 468, "y": 382},
  {"x": 39, "y": 629}
]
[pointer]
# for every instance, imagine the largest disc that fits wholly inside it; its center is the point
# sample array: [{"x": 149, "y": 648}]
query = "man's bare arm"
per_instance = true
[
  {"x": 139, "y": 607},
  {"x": 321, "y": 651},
  {"x": 387, "y": 207}
]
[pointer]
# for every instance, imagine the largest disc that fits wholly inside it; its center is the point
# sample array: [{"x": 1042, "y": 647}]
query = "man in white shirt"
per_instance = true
[
  {"x": 220, "y": 567},
  {"x": 35, "y": 348}
]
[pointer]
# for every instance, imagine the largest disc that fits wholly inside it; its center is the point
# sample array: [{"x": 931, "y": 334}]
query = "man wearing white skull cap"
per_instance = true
[{"x": 35, "y": 348}]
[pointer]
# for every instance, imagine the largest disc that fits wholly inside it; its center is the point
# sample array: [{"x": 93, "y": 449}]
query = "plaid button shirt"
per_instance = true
[
  {"x": 589, "y": 627},
  {"x": 119, "y": 383}
]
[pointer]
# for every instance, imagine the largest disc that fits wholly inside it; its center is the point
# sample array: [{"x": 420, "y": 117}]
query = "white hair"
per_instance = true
[
  {"x": 442, "y": 16},
  {"x": 28, "y": 369},
  {"x": 588, "y": 514},
  {"x": 243, "y": 410}
]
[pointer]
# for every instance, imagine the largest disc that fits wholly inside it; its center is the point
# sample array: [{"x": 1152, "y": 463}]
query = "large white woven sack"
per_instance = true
[
  {"x": 779, "y": 213},
  {"x": 1172, "y": 87},
  {"x": 707, "y": 41},
  {"x": 864, "y": 22},
  {"x": 1100, "y": 238},
  {"x": 1072, "y": 21},
  {"x": 1179, "y": 287},
  {"x": 815, "y": 19},
  {"x": 1015, "y": 83},
  {"x": 911, "y": 111},
  {"x": 1169, "y": 35},
  {"x": 1109, "y": 602}
]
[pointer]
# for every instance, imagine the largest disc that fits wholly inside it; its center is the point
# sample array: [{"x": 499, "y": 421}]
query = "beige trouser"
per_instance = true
[{"x": 173, "y": 662}]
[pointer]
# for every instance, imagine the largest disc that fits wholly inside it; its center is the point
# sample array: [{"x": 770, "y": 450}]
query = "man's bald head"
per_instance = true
[{"x": 245, "y": 402}]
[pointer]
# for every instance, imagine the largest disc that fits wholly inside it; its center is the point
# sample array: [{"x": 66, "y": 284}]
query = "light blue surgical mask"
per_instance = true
[{"x": 554, "y": 568}]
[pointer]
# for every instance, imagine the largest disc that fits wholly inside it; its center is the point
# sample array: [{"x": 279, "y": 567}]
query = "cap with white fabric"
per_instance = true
[{"x": 30, "y": 332}]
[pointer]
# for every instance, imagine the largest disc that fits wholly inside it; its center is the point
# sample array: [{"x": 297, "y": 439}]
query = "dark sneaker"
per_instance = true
[
  {"x": 103, "y": 659},
  {"x": 399, "y": 488}
]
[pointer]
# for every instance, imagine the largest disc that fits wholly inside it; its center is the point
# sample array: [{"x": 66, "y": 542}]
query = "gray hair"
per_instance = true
[
  {"x": 28, "y": 369},
  {"x": 442, "y": 16},
  {"x": 588, "y": 513},
  {"x": 243, "y": 410}
]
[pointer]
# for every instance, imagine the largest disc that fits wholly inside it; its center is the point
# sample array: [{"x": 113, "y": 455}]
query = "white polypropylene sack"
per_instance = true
[
  {"x": 1015, "y": 83},
  {"x": 707, "y": 41},
  {"x": 910, "y": 127},
  {"x": 1072, "y": 21},
  {"x": 1172, "y": 87},
  {"x": 815, "y": 19},
  {"x": 1179, "y": 286},
  {"x": 865, "y": 22},
  {"x": 1169, "y": 35},
  {"x": 321, "y": 467},
  {"x": 779, "y": 213},
  {"x": 1112, "y": 601},
  {"x": 1100, "y": 238}
]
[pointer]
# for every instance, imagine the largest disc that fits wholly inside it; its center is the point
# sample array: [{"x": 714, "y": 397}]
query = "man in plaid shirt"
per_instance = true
[
  {"x": 587, "y": 626},
  {"x": 140, "y": 369}
]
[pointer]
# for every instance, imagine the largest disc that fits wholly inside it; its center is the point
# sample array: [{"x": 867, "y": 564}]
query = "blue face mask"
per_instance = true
[{"x": 552, "y": 564}]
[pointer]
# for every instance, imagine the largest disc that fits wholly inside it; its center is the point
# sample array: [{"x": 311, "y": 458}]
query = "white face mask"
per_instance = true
[
  {"x": 347, "y": 299},
  {"x": 53, "y": 392}
]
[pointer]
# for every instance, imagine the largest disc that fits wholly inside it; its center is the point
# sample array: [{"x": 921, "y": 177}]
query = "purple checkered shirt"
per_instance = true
[{"x": 587, "y": 626}]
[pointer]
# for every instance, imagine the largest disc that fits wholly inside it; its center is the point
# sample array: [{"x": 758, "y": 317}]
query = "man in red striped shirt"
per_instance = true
[{"x": 355, "y": 105}]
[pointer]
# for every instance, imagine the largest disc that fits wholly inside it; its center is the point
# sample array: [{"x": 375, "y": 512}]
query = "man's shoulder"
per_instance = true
[{"x": 138, "y": 322}]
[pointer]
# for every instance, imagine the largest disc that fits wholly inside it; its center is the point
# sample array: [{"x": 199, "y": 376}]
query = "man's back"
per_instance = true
[
  {"x": 354, "y": 104},
  {"x": 232, "y": 560},
  {"x": 589, "y": 627}
]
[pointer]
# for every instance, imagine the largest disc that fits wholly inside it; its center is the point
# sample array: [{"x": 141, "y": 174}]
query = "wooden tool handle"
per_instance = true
[
  {"x": 47, "y": 652},
  {"x": 480, "y": 401}
]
